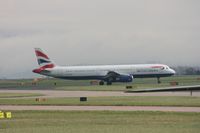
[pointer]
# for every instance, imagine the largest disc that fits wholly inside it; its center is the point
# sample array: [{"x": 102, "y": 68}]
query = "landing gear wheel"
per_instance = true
[
  {"x": 101, "y": 83},
  {"x": 158, "y": 80},
  {"x": 109, "y": 83}
]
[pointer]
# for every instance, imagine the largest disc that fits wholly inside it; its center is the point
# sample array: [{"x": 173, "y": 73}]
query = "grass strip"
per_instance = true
[
  {"x": 100, "y": 122},
  {"x": 111, "y": 101}
]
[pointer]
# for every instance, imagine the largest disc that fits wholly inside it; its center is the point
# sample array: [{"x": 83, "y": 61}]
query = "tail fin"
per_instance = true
[{"x": 43, "y": 59}]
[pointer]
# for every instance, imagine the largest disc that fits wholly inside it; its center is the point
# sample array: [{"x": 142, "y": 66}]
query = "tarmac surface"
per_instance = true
[
  {"x": 102, "y": 108},
  {"x": 56, "y": 94}
]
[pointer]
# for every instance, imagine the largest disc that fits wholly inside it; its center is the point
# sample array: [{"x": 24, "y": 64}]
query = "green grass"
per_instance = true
[
  {"x": 100, "y": 122},
  {"x": 85, "y": 85},
  {"x": 111, "y": 101},
  {"x": 15, "y": 95}
]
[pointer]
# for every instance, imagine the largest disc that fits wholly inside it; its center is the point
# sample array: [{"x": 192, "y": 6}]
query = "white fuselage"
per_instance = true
[
  {"x": 108, "y": 73},
  {"x": 100, "y": 71}
]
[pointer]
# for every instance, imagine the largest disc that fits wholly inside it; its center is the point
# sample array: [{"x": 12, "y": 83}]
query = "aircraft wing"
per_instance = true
[
  {"x": 168, "y": 89},
  {"x": 113, "y": 76}
]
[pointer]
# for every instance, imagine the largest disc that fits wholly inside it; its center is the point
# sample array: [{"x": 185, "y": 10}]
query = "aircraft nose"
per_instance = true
[{"x": 172, "y": 71}]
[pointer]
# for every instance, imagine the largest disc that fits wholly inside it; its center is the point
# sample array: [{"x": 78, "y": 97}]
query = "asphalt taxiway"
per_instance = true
[
  {"x": 102, "y": 108},
  {"x": 60, "y": 93}
]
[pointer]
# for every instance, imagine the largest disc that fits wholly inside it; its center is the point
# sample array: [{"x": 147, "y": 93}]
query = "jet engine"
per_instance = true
[{"x": 124, "y": 78}]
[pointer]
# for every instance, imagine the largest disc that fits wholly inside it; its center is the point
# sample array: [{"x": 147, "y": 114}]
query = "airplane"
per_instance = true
[{"x": 103, "y": 73}]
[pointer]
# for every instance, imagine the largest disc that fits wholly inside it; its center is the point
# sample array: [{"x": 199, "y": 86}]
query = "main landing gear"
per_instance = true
[
  {"x": 102, "y": 83},
  {"x": 109, "y": 83},
  {"x": 158, "y": 80}
]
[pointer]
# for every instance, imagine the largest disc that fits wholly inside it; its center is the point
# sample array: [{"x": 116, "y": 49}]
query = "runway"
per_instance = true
[
  {"x": 60, "y": 93},
  {"x": 102, "y": 108}
]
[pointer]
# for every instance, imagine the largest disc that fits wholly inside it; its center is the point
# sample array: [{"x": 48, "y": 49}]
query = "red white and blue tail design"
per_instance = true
[
  {"x": 42, "y": 58},
  {"x": 43, "y": 61}
]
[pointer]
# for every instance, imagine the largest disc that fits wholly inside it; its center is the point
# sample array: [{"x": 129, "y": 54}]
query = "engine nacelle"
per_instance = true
[{"x": 124, "y": 78}]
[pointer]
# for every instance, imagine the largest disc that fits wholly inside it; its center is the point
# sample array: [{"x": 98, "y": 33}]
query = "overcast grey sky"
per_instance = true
[{"x": 75, "y": 32}]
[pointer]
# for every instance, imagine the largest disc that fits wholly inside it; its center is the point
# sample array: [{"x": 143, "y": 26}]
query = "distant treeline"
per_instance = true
[{"x": 185, "y": 70}]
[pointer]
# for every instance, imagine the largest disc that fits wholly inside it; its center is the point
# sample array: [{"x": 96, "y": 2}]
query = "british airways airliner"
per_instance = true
[{"x": 103, "y": 73}]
